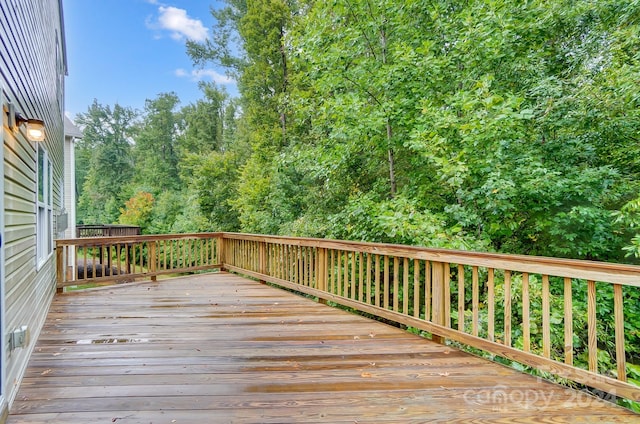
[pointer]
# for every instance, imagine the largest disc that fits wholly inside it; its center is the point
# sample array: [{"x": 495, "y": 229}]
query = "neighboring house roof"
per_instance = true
[{"x": 70, "y": 130}]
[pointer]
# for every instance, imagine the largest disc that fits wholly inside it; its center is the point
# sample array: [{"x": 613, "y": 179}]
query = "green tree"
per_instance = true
[
  {"x": 137, "y": 211},
  {"x": 210, "y": 159},
  {"x": 106, "y": 146},
  {"x": 155, "y": 148},
  {"x": 206, "y": 122},
  {"x": 250, "y": 42}
]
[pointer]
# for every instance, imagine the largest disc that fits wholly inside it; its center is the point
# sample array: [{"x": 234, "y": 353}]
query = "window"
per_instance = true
[{"x": 44, "y": 233}]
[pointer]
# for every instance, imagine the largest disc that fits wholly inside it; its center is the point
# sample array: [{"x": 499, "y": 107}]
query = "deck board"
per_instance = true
[{"x": 218, "y": 348}]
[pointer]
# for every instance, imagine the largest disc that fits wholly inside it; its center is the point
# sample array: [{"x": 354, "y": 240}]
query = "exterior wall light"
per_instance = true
[{"x": 35, "y": 127}]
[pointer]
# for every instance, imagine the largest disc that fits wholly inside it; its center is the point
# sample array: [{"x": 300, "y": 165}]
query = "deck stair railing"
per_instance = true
[
  {"x": 117, "y": 259},
  {"x": 516, "y": 307},
  {"x": 111, "y": 230}
]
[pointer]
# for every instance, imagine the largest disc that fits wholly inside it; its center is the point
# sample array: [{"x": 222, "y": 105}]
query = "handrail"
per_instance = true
[
  {"x": 517, "y": 307},
  {"x": 507, "y": 305}
]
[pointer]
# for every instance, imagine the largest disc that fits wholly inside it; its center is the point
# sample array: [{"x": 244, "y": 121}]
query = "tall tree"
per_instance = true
[
  {"x": 204, "y": 122},
  {"x": 250, "y": 42},
  {"x": 210, "y": 159},
  {"x": 156, "y": 145},
  {"x": 106, "y": 145}
]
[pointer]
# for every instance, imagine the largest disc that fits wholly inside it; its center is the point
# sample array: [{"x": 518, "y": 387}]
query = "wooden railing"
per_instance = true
[
  {"x": 114, "y": 259},
  {"x": 516, "y": 307},
  {"x": 112, "y": 230}
]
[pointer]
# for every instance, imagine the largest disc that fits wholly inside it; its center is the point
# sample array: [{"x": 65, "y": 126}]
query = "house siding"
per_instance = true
[{"x": 32, "y": 67}]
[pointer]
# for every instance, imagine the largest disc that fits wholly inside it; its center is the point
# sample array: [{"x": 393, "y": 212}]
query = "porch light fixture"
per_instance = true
[{"x": 35, "y": 127}]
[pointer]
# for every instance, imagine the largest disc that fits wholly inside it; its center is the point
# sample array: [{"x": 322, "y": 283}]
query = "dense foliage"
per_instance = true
[
  {"x": 508, "y": 126},
  {"x": 505, "y": 126}
]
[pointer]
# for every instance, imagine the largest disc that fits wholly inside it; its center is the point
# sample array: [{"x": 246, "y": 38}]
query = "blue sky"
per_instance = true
[{"x": 127, "y": 51}]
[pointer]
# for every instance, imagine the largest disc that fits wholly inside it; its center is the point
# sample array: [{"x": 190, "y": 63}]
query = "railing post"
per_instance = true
[
  {"x": 322, "y": 276},
  {"x": 262, "y": 251},
  {"x": 59, "y": 268},
  {"x": 437, "y": 297},
  {"x": 152, "y": 259},
  {"x": 221, "y": 249}
]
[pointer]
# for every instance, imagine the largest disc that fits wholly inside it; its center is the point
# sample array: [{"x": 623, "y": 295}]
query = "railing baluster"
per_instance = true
[
  {"x": 285, "y": 264},
  {"x": 416, "y": 288},
  {"x": 310, "y": 266},
  {"x": 618, "y": 307},
  {"x": 377, "y": 280},
  {"x": 339, "y": 272},
  {"x": 427, "y": 290},
  {"x": 491, "y": 303},
  {"x": 405, "y": 286},
  {"x": 75, "y": 275},
  {"x": 280, "y": 261},
  {"x": 306, "y": 262},
  {"x": 353, "y": 275},
  {"x": 386, "y": 282},
  {"x": 369, "y": 296},
  {"x": 507, "y": 308},
  {"x": 152, "y": 259},
  {"x": 526, "y": 325},
  {"x": 345, "y": 289},
  {"x": 322, "y": 269},
  {"x": 396, "y": 283},
  {"x": 591, "y": 325},
  {"x": 447, "y": 294},
  {"x": 568, "y": 322},
  {"x": 460, "y": 297},
  {"x": 142, "y": 256},
  {"x": 475, "y": 300},
  {"x": 360, "y": 277},
  {"x": 332, "y": 268},
  {"x": 546, "y": 317},
  {"x": 438, "y": 281},
  {"x": 93, "y": 263}
]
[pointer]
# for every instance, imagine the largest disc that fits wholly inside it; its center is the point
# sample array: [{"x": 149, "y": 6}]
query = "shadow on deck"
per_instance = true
[{"x": 219, "y": 348}]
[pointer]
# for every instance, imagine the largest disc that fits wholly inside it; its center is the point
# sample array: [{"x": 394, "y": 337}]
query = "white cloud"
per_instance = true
[
  {"x": 203, "y": 74},
  {"x": 181, "y": 73},
  {"x": 180, "y": 24}
]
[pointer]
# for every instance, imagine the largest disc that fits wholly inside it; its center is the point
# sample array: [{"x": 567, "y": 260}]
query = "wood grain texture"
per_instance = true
[
  {"x": 592, "y": 324},
  {"x": 568, "y": 321},
  {"x": 219, "y": 348},
  {"x": 619, "y": 323}
]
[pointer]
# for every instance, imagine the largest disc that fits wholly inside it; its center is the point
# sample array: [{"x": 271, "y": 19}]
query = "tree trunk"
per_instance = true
[
  {"x": 285, "y": 81},
  {"x": 392, "y": 172}
]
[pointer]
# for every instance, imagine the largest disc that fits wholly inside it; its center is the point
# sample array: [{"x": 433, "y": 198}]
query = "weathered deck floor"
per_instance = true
[{"x": 218, "y": 348}]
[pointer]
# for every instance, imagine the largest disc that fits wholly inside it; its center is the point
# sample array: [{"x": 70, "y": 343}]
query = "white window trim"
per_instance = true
[{"x": 44, "y": 210}]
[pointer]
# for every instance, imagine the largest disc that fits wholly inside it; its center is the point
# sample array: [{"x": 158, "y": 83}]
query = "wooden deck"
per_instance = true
[{"x": 218, "y": 348}]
